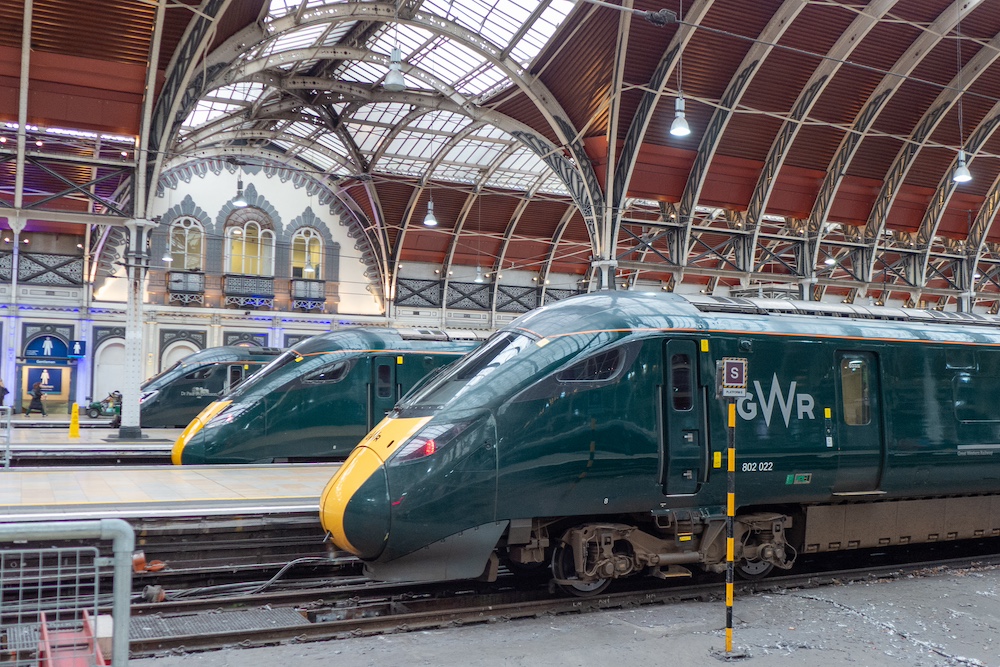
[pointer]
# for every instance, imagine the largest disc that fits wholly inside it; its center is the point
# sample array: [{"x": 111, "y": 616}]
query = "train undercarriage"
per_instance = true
[{"x": 585, "y": 558}]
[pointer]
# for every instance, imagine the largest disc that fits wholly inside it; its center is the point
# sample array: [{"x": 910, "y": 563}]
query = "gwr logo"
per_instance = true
[{"x": 803, "y": 403}]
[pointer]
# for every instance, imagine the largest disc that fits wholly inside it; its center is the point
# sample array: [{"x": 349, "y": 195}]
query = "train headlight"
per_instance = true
[{"x": 431, "y": 440}]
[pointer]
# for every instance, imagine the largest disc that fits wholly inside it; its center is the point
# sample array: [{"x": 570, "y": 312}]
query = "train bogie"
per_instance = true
[{"x": 600, "y": 418}]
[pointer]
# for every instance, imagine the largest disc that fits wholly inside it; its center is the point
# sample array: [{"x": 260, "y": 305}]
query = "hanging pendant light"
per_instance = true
[
  {"x": 962, "y": 173},
  {"x": 394, "y": 81},
  {"x": 429, "y": 219},
  {"x": 679, "y": 128},
  {"x": 479, "y": 275},
  {"x": 240, "y": 201}
]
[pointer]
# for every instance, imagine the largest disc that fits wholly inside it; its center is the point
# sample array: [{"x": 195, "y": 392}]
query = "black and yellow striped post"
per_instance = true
[
  {"x": 731, "y": 384},
  {"x": 730, "y": 515}
]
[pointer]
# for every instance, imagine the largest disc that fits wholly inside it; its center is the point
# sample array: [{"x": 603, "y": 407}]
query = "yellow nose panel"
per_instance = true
[
  {"x": 366, "y": 458},
  {"x": 205, "y": 416}
]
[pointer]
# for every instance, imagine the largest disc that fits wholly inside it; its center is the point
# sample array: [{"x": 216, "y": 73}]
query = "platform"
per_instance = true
[
  {"x": 40, "y": 494},
  {"x": 45, "y": 440}
]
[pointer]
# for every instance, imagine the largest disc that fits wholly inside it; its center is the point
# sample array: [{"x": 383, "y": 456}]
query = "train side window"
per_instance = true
[
  {"x": 855, "y": 391},
  {"x": 384, "y": 385},
  {"x": 329, "y": 374},
  {"x": 596, "y": 368},
  {"x": 681, "y": 391}
]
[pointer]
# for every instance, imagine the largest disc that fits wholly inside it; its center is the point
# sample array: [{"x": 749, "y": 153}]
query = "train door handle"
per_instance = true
[
  {"x": 688, "y": 474},
  {"x": 689, "y": 436}
]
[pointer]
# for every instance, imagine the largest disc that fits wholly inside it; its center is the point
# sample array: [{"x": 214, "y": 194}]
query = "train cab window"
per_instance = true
[
  {"x": 384, "y": 383},
  {"x": 235, "y": 375},
  {"x": 599, "y": 367},
  {"x": 329, "y": 374},
  {"x": 855, "y": 391},
  {"x": 680, "y": 382},
  {"x": 200, "y": 374}
]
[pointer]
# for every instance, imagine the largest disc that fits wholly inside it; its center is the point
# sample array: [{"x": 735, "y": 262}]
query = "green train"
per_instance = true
[
  {"x": 175, "y": 396},
  {"x": 587, "y": 437},
  {"x": 317, "y": 401}
]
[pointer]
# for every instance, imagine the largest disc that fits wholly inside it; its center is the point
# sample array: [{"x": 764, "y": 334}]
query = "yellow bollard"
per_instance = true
[{"x": 74, "y": 422}]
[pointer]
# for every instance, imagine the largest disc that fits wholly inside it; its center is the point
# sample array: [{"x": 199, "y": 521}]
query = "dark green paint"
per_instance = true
[
  {"x": 613, "y": 449},
  {"x": 176, "y": 396},
  {"x": 299, "y": 409}
]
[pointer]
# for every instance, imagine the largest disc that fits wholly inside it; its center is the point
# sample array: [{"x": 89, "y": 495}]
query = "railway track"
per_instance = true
[{"x": 357, "y": 607}]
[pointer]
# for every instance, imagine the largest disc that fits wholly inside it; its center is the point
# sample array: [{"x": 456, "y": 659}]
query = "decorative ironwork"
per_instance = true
[
  {"x": 190, "y": 282},
  {"x": 186, "y": 287},
  {"x": 45, "y": 269},
  {"x": 412, "y": 292},
  {"x": 553, "y": 295},
  {"x": 469, "y": 296},
  {"x": 248, "y": 291},
  {"x": 257, "y": 338},
  {"x": 512, "y": 299},
  {"x": 197, "y": 338},
  {"x": 308, "y": 294}
]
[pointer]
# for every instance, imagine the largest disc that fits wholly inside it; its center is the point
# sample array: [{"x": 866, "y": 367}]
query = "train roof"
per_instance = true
[
  {"x": 652, "y": 311},
  {"x": 376, "y": 338},
  {"x": 229, "y": 353}
]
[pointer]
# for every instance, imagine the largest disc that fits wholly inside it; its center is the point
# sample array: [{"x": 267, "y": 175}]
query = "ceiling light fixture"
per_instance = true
[
  {"x": 394, "y": 81},
  {"x": 680, "y": 127},
  {"x": 429, "y": 219},
  {"x": 962, "y": 173},
  {"x": 240, "y": 201},
  {"x": 167, "y": 257}
]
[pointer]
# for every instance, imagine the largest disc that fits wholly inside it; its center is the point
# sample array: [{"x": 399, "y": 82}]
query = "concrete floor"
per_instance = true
[{"x": 929, "y": 620}]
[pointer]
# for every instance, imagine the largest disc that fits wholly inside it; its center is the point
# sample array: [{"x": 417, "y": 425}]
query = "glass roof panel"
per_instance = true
[
  {"x": 331, "y": 141},
  {"x": 441, "y": 121},
  {"x": 524, "y": 160},
  {"x": 554, "y": 185},
  {"x": 472, "y": 152},
  {"x": 300, "y": 38},
  {"x": 416, "y": 144},
  {"x": 208, "y": 110},
  {"x": 512, "y": 180},
  {"x": 383, "y": 113},
  {"x": 301, "y": 129},
  {"x": 405, "y": 166},
  {"x": 367, "y": 137},
  {"x": 456, "y": 173},
  {"x": 324, "y": 162}
]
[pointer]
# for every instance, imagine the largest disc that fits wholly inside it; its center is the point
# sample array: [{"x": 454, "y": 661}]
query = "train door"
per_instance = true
[
  {"x": 382, "y": 389},
  {"x": 859, "y": 433},
  {"x": 237, "y": 373},
  {"x": 683, "y": 437}
]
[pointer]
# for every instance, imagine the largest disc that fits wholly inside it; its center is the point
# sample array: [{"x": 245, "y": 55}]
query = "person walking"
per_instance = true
[
  {"x": 3, "y": 392},
  {"x": 36, "y": 400}
]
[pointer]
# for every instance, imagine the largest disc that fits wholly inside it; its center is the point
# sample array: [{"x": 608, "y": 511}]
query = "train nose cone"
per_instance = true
[{"x": 355, "y": 505}]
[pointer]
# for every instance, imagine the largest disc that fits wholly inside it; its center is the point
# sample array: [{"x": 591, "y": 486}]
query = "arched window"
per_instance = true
[
  {"x": 307, "y": 254},
  {"x": 249, "y": 244},
  {"x": 187, "y": 240}
]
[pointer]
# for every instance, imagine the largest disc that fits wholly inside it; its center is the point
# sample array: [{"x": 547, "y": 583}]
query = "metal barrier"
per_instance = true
[
  {"x": 6, "y": 412},
  {"x": 49, "y": 596}
]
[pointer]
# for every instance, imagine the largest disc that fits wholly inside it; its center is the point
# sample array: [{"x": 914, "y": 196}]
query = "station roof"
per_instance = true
[{"x": 824, "y": 133}]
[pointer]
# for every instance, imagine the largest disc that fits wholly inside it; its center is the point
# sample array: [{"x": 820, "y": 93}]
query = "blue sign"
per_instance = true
[
  {"x": 78, "y": 348},
  {"x": 51, "y": 379},
  {"x": 46, "y": 346}
]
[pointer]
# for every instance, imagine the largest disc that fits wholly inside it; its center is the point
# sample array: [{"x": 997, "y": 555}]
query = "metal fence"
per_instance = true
[
  {"x": 6, "y": 412},
  {"x": 49, "y": 597}
]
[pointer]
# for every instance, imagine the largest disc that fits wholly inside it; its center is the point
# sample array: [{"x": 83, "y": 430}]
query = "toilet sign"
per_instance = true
[
  {"x": 731, "y": 377},
  {"x": 77, "y": 348}
]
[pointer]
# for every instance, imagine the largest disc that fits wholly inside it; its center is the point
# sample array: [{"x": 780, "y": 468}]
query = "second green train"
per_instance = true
[{"x": 316, "y": 401}]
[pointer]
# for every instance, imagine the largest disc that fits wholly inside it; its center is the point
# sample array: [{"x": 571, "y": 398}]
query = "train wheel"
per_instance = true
[
  {"x": 753, "y": 570},
  {"x": 564, "y": 571}
]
